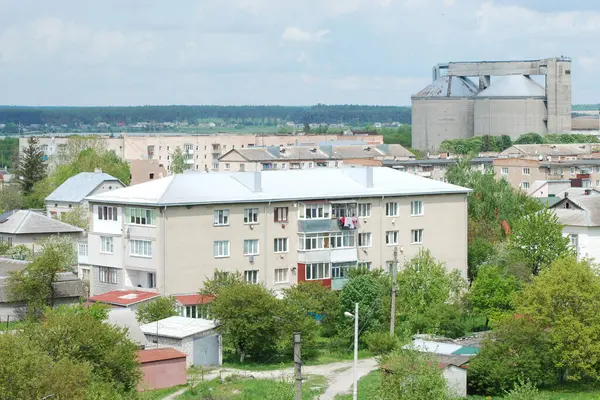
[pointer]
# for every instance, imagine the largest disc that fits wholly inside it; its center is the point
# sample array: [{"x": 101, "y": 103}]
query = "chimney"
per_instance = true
[
  {"x": 98, "y": 170},
  {"x": 257, "y": 182}
]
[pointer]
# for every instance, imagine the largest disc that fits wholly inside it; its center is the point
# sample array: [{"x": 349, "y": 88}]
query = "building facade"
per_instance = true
[{"x": 277, "y": 228}]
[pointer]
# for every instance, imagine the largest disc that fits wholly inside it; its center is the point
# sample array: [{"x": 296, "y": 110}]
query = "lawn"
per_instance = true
[
  {"x": 11, "y": 325},
  {"x": 160, "y": 393},
  {"x": 367, "y": 387},
  {"x": 241, "y": 388},
  {"x": 568, "y": 392}
]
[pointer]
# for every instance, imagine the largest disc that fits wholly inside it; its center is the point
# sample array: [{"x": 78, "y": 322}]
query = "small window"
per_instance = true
[
  {"x": 106, "y": 244},
  {"x": 365, "y": 239},
  {"x": 526, "y": 171},
  {"x": 416, "y": 208},
  {"x": 151, "y": 175},
  {"x": 525, "y": 185},
  {"x": 151, "y": 280},
  {"x": 251, "y": 276},
  {"x": 391, "y": 238},
  {"x": 391, "y": 209},
  {"x": 242, "y": 167},
  {"x": 251, "y": 215},
  {"x": 221, "y": 217},
  {"x": 416, "y": 236},
  {"x": 317, "y": 271},
  {"x": 504, "y": 171},
  {"x": 140, "y": 248},
  {"x": 251, "y": 247},
  {"x": 221, "y": 248},
  {"x": 83, "y": 249},
  {"x": 280, "y": 245},
  {"x": 227, "y": 166},
  {"x": 107, "y": 213},
  {"x": 140, "y": 216},
  {"x": 107, "y": 275},
  {"x": 281, "y": 275},
  {"x": 283, "y": 165},
  {"x": 365, "y": 264},
  {"x": 281, "y": 214},
  {"x": 364, "y": 210}
]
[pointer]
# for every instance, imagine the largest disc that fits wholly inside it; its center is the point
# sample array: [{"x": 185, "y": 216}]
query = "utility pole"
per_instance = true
[
  {"x": 394, "y": 272},
  {"x": 355, "y": 386},
  {"x": 298, "y": 364}
]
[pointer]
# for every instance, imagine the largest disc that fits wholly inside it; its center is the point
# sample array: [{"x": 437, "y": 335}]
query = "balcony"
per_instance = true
[
  {"x": 314, "y": 256},
  {"x": 189, "y": 151},
  {"x": 344, "y": 254},
  {"x": 326, "y": 225},
  {"x": 189, "y": 161}
]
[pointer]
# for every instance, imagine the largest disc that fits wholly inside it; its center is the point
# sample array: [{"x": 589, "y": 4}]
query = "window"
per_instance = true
[
  {"x": 317, "y": 271},
  {"x": 416, "y": 208},
  {"x": 251, "y": 215},
  {"x": 195, "y": 311},
  {"x": 107, "y": 213},
  {"x": 572, "y": 170},
  {"x": 151, "y": 176},
  {"x": 525, "y": 171},
  {"x": 574, "y": 239},
  {"x": 315, "y": 241},
  {"x": 140, "y": 216},
  {"x": 221, "y": 217},
  {"x": 525, "y": 185},
  {"x": 340, "y": 270},
  {"x": 7, "y": 239},
  {"x": 343, "y": 210},
  {"x": 283, "y": 165},
  {"x": 251, "y": 247},
  {"x": 281, "y": 275},
  {"x": 107, "y": 275},
  {"x": 85, "y": 274},
  {"x": 227, "y": 166},
  {"x": 140, "y": 248},
  {"x": 316, "y": 211},
  {"x": 83, "y": 249},
  {"x": 416, "y": 236},
  {"x": 391, "y": 209},
  {"x": 221, "y": 248},
  {"x": 365, "y": 264},
  {"x": 342, "y": 239},
  {"x": 504, "y": 171},
  {"x": 280, "y": 245},
  {"x": 151, "y": 280},
  {"x": 391, "y": 238},
  {"x": 242, "y": 167},
  {"x": 364, "y": 210},
  {"x": 251, "y": 276},
  {"x": 281, "y": 214},
  {"x": 106, "y": 244},
  {"x": 365, "y": 239}
]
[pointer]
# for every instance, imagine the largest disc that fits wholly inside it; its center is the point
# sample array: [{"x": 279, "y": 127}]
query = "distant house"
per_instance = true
[
  {"x": 28, "y": 227},
  {"x": 73, "y": 191},
  {"x": 145, "y": 170},
  {"x": 68, "y": 289}
]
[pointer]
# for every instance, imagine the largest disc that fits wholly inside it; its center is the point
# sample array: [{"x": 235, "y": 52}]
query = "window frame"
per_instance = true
[
  {"x": 416, "y": 236},
  {"x": 395, "y": 235},
  {"x": 315, "y": 267},
  {"x": 279, "y": 213},
  {"x": 103, "y": 213},
  {"x": 248, "y": 243},
  {"x": 369, "y": 240},
  {"x": 418, "y": 206},
  {"x": 108, "y": 275},
  {"x": 81, "y": 246},
  {"x": 221, "y": 214},
  {"x": 318, "y": 238},
  {"x": 315, "y": 209},
  {"x": 526, "y": 171},
  {"x": 391, "y": 206},
  {"x": 223, "y": 245},
  {"x": 279, "y": 243},
  {"x": 342, "y": 240},
  {"x": 251, "y": 216},
  {"x": 285, "y": 272},
  {"x": 140, "y": 244},
  {"x": 503, "y": 170},
  {"x": 144, "y": 214},
  {"x": 105, "y": 242},
  {"x": 367, "y": 210},
  {"x": 252, "y": 273}
]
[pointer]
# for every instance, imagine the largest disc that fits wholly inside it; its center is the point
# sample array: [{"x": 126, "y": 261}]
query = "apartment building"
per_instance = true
[
  {"x": 548, "y": 152},
  {"x": 436, "y": 168},
  {"x": 302, "y": 157},
  {"x": 202, "y": 151},
  {"x": 277, "y": 227}
]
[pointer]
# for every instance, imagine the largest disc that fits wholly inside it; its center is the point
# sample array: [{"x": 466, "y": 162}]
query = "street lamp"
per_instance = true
[{"x": 354, "y": 365}]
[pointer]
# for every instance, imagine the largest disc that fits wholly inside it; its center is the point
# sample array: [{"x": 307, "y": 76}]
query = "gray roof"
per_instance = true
[
  {"x": 436, "y": 161},
  {"x": 8, "y": 265},
  {"x": 548, "y": 149},
  {"x": 247, "y": 187},
  {"x": 449, "y": 86},
  {"x": 77, "y": 187},
  {"x": 179, "y": 327},
  {"x": 66, "y": 285},
  {"x": 23, "y": 222},
  {"x": 587, "y": 213},
  {"x": 514, "y": 86},
  {"x": 125, "y": 318}
]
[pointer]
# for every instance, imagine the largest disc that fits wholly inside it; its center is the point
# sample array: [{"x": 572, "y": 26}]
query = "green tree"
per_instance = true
[
  {"x": 411, "y": 375},
  {"x": 367, "y": 291},
  {"x": 10, "y": 198},
  {"x": 78, "y": 216},
  {"x": 492, "y": 292},
  {"x": 530, "y": 138},
  {"x": 220, "y": 279},
  {"x": 34, "y": 284},
  {"x": 178, "y": 161},
  {"x": 315, "y": 299},
  {"x": 31, "y": 166},
  {"x": 76, "y": 144},
  {"x": 538, "y": 237},
  {"x": 157, "y": 309},
  {"x": 505, "y": 142},
  {"x": 248, "y": 315}
]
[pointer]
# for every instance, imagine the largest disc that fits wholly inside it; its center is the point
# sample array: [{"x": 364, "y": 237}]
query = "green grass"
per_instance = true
[
  {"x": 239, "y": 388},
  {"x": 566, "y": 392},
  {"x": 367, "y": 387},
  {"x": 160, "y": 393},
  {"x": 11, "y": 325}
]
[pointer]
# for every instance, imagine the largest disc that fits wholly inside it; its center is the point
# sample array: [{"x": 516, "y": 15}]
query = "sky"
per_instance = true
[{"x": 302, "y": 52}]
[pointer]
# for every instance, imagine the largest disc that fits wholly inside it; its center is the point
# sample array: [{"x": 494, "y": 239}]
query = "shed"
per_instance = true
[
  {"x": 197, "y": 338},
  {"x": 162, "y": 368}
]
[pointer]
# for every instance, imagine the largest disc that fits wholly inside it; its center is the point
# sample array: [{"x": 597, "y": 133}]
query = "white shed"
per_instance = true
[{"x": 197, "y": 338}]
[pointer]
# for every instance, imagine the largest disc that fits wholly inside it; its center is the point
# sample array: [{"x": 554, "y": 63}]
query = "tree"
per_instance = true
[
  {"x": 31, "y": 166},
  {"x": 367, "y": 291},
  {"x": 178, "y": 161},
  {"x": 410, "y": 375},
  {"x": 315, "y": 300},
  {"x": 10, "y": 198},
  {"x": 76, "y": 144},
  {"x": 565, "y": 299},
  {"x": 78, "y": 216},
  {"x": 220, "y": 279},
  {"x": 156, "y": 309},
  {"x": 492, "y": 292},
  {"x": 34, "y": 284},
  {"x": 530, "y": 138},
  {"x": 505, "y": 142},
  {"x": 248, "y": 315},
  {"x": 538, "y": 237}
]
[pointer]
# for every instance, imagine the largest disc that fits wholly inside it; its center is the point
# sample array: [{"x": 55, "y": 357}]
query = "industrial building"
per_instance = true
[{"x": 455, "y": 107}]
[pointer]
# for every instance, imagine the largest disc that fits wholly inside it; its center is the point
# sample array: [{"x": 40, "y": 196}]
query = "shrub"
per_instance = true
[
  {"x": 381, "y": 342},
  {"x": 524, "y": 391}
]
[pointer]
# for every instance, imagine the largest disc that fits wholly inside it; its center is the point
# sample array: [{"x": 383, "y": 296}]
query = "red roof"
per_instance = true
[
  {"x": 146, "y": 356},
  {"x": 123, "y": 298},
  {"x": 193, "y": 299}
]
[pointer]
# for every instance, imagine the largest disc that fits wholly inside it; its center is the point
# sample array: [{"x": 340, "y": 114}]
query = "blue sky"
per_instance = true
[{"x": 134, "y": 52}]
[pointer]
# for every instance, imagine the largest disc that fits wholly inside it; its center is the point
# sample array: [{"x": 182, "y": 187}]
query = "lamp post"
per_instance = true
[{"x": 354, "y": 365}]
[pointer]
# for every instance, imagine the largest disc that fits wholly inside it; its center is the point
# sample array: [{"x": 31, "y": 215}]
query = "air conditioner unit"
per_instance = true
[{"x": 251, "y": 259}]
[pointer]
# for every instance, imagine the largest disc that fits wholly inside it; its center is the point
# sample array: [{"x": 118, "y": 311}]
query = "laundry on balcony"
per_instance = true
[{"x": 348, "y": 222}]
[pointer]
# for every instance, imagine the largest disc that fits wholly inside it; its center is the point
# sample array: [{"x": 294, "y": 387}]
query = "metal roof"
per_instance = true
[
  {"x": 77, "y": 187},
  {"x": 436, "y": 161},
  {"x": 548, "y": 149},
  {"x": 588, "y": 213},
  {"x": 247, "y": 187},
  {"x": 178, "y": 327},
  {"x": 449, "y": 86},
  {"x": 125, "y": 318},
  {"x": 513, "y": 86},
  {"x": 22, "y": 222}
]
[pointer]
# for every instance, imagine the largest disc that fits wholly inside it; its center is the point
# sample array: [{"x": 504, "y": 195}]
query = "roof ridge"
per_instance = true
[
  {"x": 159, "y": 200},
  {"x": 28, "y": 212}
]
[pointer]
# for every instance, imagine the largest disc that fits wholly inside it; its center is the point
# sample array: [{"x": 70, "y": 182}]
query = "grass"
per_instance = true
[
  {"x": 367, "y": 387},
  {"x": 11, "y": 325},
  {"x": 239, "y": 388},
  {"x": 160, "y": 393},
  {"x": 565, "y": 392}
]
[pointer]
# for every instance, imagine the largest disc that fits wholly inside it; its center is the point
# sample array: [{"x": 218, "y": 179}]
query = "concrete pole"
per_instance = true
[
  {"x": 393, "y": 311},
  {"x": 355, "y": 365},
  {"x": 298, "y": 364}
]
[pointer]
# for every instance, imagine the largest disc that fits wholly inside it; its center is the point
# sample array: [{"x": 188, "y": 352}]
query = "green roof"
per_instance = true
[
  {"x": 466, "y": 350},
  {"x": 548, "y": 201}
]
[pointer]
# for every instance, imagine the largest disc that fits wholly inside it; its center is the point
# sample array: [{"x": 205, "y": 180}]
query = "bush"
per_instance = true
[
  {"x": 19, "y": 252},
  {"x": 157, "y": 309},
  {"x": 381, "y": 342},
  {"x": 524, "y": 391}
]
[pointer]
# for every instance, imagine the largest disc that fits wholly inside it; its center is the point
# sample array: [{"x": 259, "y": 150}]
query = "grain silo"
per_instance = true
[
  {"x": 443, "y": 110},
  {"x": 513, "y": 105}
]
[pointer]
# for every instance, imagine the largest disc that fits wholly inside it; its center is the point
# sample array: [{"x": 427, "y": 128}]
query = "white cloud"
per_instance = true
[{"x": 294, "y": 34}]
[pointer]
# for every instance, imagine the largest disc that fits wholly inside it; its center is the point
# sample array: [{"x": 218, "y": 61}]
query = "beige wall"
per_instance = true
[{"x": 33, "y": 241}]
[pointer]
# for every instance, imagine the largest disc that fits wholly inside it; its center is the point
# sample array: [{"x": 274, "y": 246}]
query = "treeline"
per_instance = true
[
  {"x": 500, "y": 143},
  {"x": 9, "y": 152},
  {"x": 247, "y": 115}
]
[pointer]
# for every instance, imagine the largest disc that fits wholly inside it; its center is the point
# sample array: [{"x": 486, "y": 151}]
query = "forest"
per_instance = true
[{"x": 355, "y": 115}]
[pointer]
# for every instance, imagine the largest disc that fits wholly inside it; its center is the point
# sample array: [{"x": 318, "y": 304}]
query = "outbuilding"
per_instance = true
[
  {"x": 162, "y": 368},
  {"x": 196, "y": 337}
]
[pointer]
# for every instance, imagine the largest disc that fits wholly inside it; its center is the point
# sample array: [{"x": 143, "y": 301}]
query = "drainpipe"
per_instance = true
[
  {"x": 266, "y": 243},
  {"x": 382, "y": 241},
  {"x": 164, "y": 257}
]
